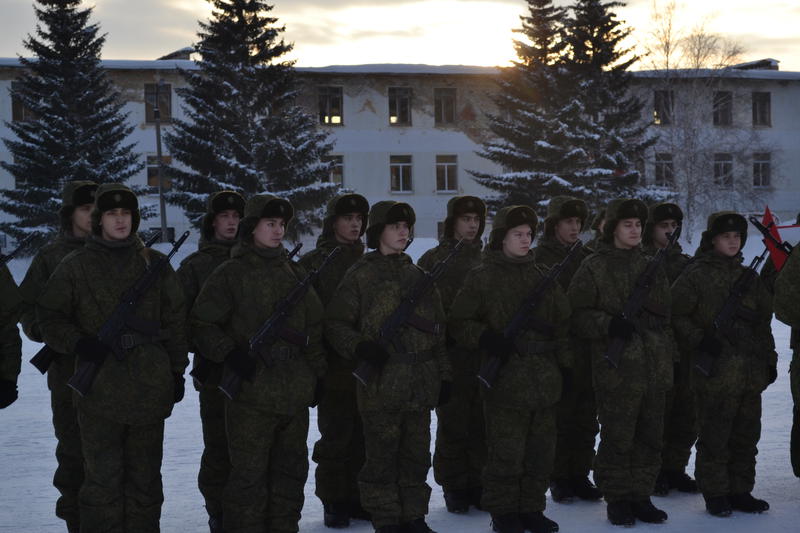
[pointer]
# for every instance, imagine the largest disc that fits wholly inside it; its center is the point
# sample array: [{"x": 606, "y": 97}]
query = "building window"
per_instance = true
[
  {"x": 19, "y": 112},
  {"x": 762, "y": 113},
  {"x": 723, "y": 108},
  {"x": 662, "y": 107},
  {"x": 400, "y": 106},
  {"x": 152, "y": 171},
  {"x": 164, "y": 91},
  {"x": 336, "y": 171},
  {"x": 665, "y": 170},
  {"x": 446, "y": 173},
  {"x": 330, "y": 106},
  {"x": 723, "y": 170},
  {"x": 444, "y": 106},
  {"x": 400, "y": 170},
  {"x": 762, "y": 169}
]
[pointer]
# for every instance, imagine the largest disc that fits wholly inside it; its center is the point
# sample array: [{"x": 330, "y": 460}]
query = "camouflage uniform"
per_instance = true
[
  {"x": 69, "y": 472},
  {"x": 10, "y": 343},
  {"x": 520, "y": 407},
  {"x": 630, "y": 398},
  {"x": 395, "y": 406},
  {"x": 460, "y": 452},
  {"x": 729, "y": 402},
  {"x": 576, "y": 414},
  {"x": 339, "y": 453},
  {"x": 122, "y": 419},
  {"x": 193, "y": 271},
  {"x": 267, "y": 423}
]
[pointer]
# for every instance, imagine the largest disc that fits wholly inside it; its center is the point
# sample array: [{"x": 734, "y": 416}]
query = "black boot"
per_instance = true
[
  {"x": 215, "y": 524},
  {"x": 747, "y": 504},
  {"x": 357, "y": 512},
  {"x": 678, "y": 479},
  {"x": 416, "y": 526},
  {"x": 507, "y": 523},
  {"x": 662, "y": 484},
  {"x": 645, "y": 511},
  {"x": 584, "y": 489},
  {"x": 538, "y": 523},
  {"x": 394, "y": 528},
  {"x": 73, "y": 527},
  {"x": 620, "y": 513},
  {"x": 718, "y": 505},
  {"x": 475, "y": 495},
  {"x": 337, "y": 515},
  {"x": 561, "y": 491},
  {"x": 457, "y": 500}
]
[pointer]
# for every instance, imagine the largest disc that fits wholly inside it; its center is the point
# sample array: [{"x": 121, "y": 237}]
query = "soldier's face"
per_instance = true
[
  {"x": 663, "y": 230},
  {"x": 225, "y": 224},
  {"x": 115, "y": 224},
  {"x": 567, "y": 230},
  {"x": 82, "y": 220},
  {"x": 628, "y": 233},
  {"x": 466, "y": 226},
  {"x": 517, "y": 241},
  {"x": 728, "y": 243},
  {"x": 347, "y": 227},
  {"x": 394, "y": 238},
  {"x": 269, "y": 232}
]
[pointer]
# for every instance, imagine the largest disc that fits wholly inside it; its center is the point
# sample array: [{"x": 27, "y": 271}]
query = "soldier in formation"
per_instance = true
[{"x": 10, "y": 343}]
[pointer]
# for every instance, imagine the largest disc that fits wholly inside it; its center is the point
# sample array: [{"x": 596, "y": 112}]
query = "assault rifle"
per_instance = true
[
  {"x": 784, "y": 246},
  {"x": 111, "y": 332},
  {"x": 730, "y": 311},
  {"x": 523, "y": 317},
  {"x": 403, "y": 315},
  {"x": 638, "y": 297},
  {"x": 294, "y": 250},
  {"x": 46, "y": 355},
  {"x": 4, "y": 259},
  {"x": 275, "y": 328}
]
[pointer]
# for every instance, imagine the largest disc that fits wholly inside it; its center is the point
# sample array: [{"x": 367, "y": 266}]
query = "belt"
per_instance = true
[
  {"x": 283, "y": 353},
  {"x": 133, "y": 339},
  {"x": 411, "y": 357}
]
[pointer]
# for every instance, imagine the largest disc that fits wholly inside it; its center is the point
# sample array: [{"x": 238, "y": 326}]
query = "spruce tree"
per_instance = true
[
  {"x": 244, "y": 130},
  {"x": 74, "y": 128}
]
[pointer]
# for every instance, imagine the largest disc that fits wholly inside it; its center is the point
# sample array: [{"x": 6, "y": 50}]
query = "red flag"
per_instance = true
[{"x": 777, "y": 255}]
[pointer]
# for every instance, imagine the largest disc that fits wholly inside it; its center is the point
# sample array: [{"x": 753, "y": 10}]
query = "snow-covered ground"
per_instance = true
[{"x": 27, "y": 463}]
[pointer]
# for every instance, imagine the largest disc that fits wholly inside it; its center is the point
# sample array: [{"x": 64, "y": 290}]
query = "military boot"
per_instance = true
[
  {"x": 394, "y": 528},
  {"x": 336, "y": 515},
  {"x": 620, "y": 513},
  {"x": 457, "y": 501},
  {"x": 416, "y": 526},
  {"x": 561, "y": 491},
  {"x": 679, "y": 479},
  {"x": 538, "y": 523},
  {"x": 215, "y": 524},
  {"x": 747, "y": 504},
  {"x": 584, "y": 489},
  {"x": 475, "y": 495},
  {"x": 507, "y": 523},
  {"x": 718, "y": 505},
  {"x": 357, "y": 512},
  {"x": 73, "y": 527},
  {"x": 645, "y": 511},
  {"x": 662, "y": 484}
]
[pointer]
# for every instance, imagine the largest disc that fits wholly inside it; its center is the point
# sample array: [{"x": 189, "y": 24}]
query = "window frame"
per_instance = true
[
  {"x": 19, "y": 111},
  {"x": 401, "y": 171},
  {"x": 164, "y": 102},
  {"x": 151, "y": 165},
  {"x": 723, "y": 161},
  {"x": 762, "y": 161},
  {"x": 450, "y": 171},
  {"x": 762, "y": 108},
  {"x": 722, "y": 109},
  {"x": 444, "y": 106},
  {"x": 338, "y": 163},
  {"x": 664, "y": 170},
  {"x": 400, "y": 101},
  {"x": 327, "y": 95},
  {"x": 663, "y": 107}
]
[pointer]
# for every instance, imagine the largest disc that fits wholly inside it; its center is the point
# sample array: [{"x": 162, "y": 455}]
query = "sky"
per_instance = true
[{"x": 470, "y": 32}]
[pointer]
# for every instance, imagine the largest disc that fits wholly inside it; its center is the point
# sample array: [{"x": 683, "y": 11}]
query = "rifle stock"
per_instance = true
[{"x": 4, "y": 259}]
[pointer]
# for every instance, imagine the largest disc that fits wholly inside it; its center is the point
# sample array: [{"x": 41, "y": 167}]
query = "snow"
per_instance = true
[{"x": 27, "y": 463}]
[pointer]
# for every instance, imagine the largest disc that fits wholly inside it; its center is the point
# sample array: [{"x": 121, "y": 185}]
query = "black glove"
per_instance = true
[
  {"x": 91, "y": 350},
  {"x": 319, "y": 391},
  {"x": 241, "y": 363},
  {"x": 621, "y": 328},
  {"x": 495, "y": 344},
  {"x": 8, "y": 393},
  {"x": 566, "y": 380},
  {"x": 676, "y": 373},
  {"x": 180, "y": 387},
  {"x": 710, "y": 344},
  {"x": 372, "y": 352},
  {"x": 773, "y": 374},
  {"x": 445, "y": 391}
]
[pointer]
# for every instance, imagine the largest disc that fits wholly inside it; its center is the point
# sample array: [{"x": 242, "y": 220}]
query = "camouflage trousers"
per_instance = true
[
  {"x": 680, "y": 422},
  {"x": 339, "y": 453},
  {"x": 794, "y": 377},
  {"x": 521, "y": 447},
  {"x": 215, "y": 465},
  {"x": 392, "y": 482},
  {"x": 269, "y": 468},
  {"x": 460, "y": 453},
  {"x": 576, "y": 423},
  {"x": 729, "y": 431},
  {"x": 122, "y": 491},
  {"x": 631, "y": 435}
]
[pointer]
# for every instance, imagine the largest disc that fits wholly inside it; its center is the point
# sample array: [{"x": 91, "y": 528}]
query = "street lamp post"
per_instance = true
[{"x": 160, "y": 169}]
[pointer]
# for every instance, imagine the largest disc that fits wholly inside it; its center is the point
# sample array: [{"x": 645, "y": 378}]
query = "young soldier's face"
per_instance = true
[
  {"x": 728, "y": 243},
  {"x": 467, "y": 226},
  {"x": 269, "y": 232},
  {"x": 567, "y": 230},
  {"x": 663, "y": 230},
  {"x": 225, "y": 224},
  {"x": 115, "y": 224},
  {"x": 517, "y": 241},
  {"x": 82, "y": 220},
  {"x": 628, "y": 233},
  {"x": 394, "y": 238},
  {"x": 347, "y": 227}
]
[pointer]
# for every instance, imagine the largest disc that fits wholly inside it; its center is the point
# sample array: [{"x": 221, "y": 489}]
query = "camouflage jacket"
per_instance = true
[
  {"x": 550, "y": 252},
  {"x": 82, "y": 293},
  {"x": 787, "y": 291},
  {"x": 675, "y": 261},
  {"x": 599, "y": 291},
  {"x": 236, "y": 299},
  {"x": 453, "y": 278},
  {"x": 698, "y": 295},
  {"x": 491, "y": 295},
  {"x": 370, "y": 291},
  {"x": 10, "y": 343}
]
